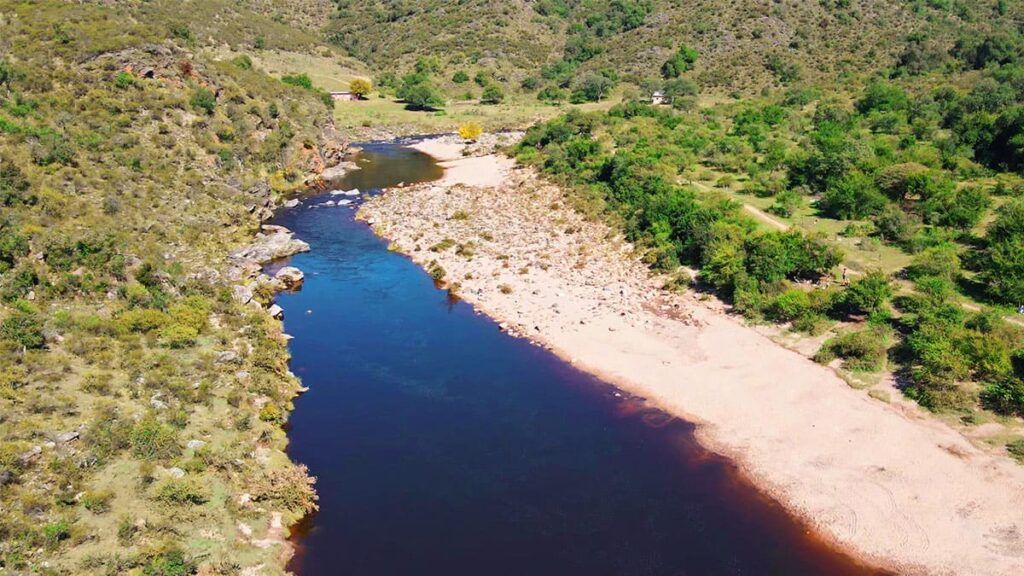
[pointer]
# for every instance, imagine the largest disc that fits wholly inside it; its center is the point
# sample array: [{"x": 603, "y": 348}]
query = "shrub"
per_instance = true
[
  {"x": 169, "y": 563},
  {"x": 175, "y": 335},
  {"x": 866, "y": 294},
  {"x": 23, "y": 325},
  {"x": 786, "y": 203},
  {"x": 181, "y": 491},
  {"x": 290, "y": 488},
  {"x": 861, "y": 350},
  {"x": 271, "y": 413},
  {"x": 1005, "y": 396},
  {"x": 1003, "y": 259},
  {"x": 460, "y": 77},
  {"x": 300, "y": 80},
  {"x": 203, "y": 100},
  {"x": 1016, "y": 449},
  {"x": 97, "y": 502},
  {"x": 941, "y": 261},
  {"x": 192, "y": 311},
  {"x": 55, "y": 532},
  {"x": 108, "y": 433},
  {"x": 854, "y": 196},
  {"x": 789, "y": 305},
  {"x": 492, "y": 94},
  {"x": 124, "y": 80},
  {"x": 680, "y": 62},
  {"x": 152, "y": 440},
  {"x": 142, "y": 320},
  {"x": 15, "y": 188},
  {"x": 470, "y": 131}
]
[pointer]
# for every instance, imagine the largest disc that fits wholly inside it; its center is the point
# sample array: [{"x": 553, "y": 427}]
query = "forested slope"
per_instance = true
[{"x": 743, "y": 45}]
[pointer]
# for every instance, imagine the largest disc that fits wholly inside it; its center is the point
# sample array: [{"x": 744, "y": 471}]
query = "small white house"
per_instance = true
[
  {"x": 659, "y": 98},
  {"x": 344, "y": 96}
]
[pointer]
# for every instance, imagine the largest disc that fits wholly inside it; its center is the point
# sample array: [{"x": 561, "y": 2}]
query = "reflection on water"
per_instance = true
[{"x": 444, "y": 446}]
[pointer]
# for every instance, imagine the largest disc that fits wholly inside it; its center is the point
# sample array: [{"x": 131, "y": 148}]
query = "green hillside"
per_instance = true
[
  {"x": 140, "y": 405},
  {"x": 742, "y": 45}
]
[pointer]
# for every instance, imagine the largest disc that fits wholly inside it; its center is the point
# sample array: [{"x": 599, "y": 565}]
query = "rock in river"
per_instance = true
[{"x": 290, "y": 276}]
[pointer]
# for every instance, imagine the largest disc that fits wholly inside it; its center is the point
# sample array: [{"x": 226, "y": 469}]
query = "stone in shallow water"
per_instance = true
[{"x": 290, "y": 276}]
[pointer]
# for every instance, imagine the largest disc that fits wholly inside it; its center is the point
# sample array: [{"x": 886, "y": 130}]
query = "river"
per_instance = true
[{"x": 444, "y": 446}]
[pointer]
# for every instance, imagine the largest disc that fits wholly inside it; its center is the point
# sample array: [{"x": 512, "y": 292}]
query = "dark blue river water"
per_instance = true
[{"x": 443, "y": 446}]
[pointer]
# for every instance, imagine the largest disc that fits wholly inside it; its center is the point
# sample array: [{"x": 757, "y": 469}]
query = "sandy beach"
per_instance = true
[{"x": 889, "y": 484}]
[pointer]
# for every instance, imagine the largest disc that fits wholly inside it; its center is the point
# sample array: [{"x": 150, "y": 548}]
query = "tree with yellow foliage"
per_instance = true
[
  {"x": 470, "y": 131},
  {"x": 360, "y": 87}
]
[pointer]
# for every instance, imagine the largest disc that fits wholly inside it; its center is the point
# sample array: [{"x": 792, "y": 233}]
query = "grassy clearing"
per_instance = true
[
  {"x": 387, "y": 113},
  {"x": 327, "y": 70}
]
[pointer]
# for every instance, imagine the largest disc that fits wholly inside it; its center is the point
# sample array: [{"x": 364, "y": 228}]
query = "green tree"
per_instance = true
[
  {"x": 591, "y": 88},
  {"x": 682, "y": 61},
  {"x": 421, "y": 96},
  {"x": 1003, "y": 259},
  {"x": 854, "y": 196},
  {"x": 460, "y": 77}
]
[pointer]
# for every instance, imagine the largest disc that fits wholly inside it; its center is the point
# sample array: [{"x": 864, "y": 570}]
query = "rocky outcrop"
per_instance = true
[{"x": 274, "y": 243}]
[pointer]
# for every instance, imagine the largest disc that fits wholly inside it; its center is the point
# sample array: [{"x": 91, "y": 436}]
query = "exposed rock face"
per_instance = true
[{"x": 290, "y": 276}]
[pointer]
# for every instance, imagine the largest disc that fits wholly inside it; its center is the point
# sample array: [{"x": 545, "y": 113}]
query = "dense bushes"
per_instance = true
[
  {"x": 860, "y": 350},
  {"x": 1003, "y": 259}
]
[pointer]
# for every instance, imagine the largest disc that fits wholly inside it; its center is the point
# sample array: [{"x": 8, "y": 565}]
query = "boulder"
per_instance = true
[
  {"x": 272, "y": 246},
  {"x": 290, "y": 276},
  {"x": 66, "y": 437},
  {"x": 276, "y": 312},
  {"x": 338, "y": 170},
  {"x": 291, "y": 203},
  {"x": 195, "y": 444},
  {"x": 242, "y": 294},
  {"x": 228, "y": 357}
]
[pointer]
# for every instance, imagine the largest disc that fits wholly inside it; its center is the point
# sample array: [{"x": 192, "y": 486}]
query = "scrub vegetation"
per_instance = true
[{"x": 140, "y": 405}]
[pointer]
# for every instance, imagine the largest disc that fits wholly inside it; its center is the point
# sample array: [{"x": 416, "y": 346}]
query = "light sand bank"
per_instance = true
[{"x": 891, "y": 485}]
